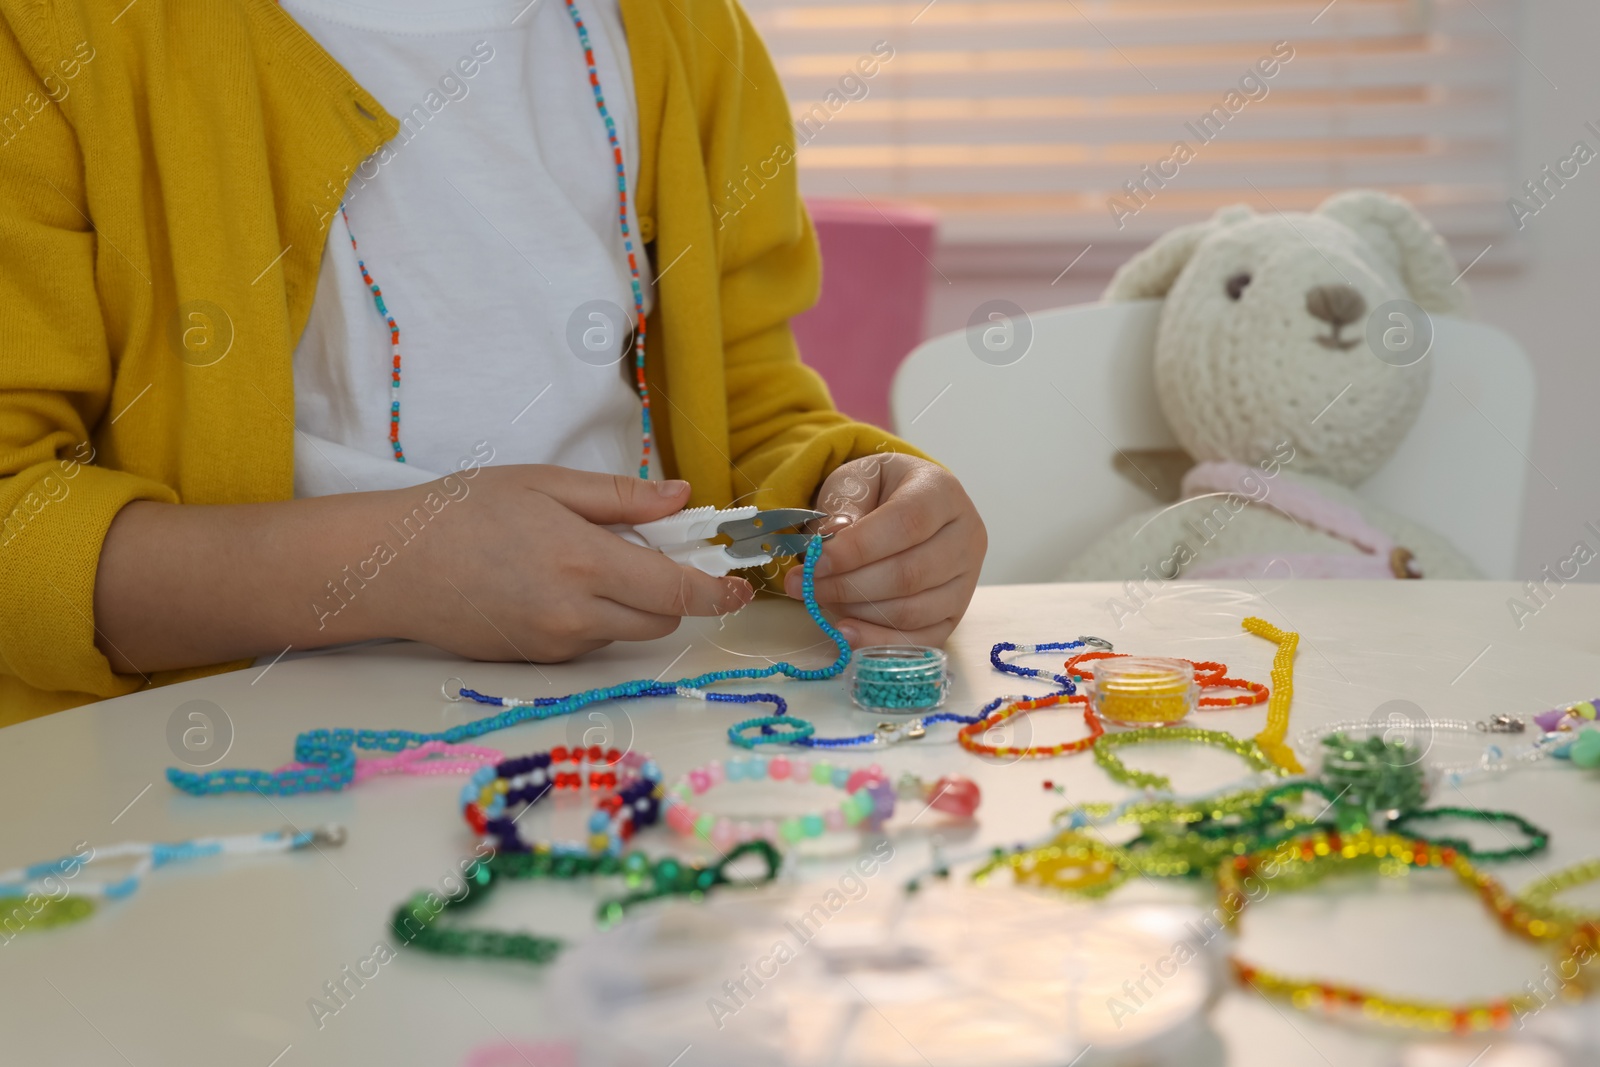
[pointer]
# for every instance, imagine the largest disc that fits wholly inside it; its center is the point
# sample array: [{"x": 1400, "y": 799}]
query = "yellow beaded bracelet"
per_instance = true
[
  {"x": 1071, "y": 862},
  {"x": 1306, "y": 859},
  {"x": 1539, "y": 897}
]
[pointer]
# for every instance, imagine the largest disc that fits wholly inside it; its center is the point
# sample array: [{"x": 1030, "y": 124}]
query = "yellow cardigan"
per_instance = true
[{"x": 167, "y": 179}]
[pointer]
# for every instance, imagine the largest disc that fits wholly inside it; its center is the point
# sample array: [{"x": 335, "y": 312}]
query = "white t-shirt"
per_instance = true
[{"x": 490, "y": 225}]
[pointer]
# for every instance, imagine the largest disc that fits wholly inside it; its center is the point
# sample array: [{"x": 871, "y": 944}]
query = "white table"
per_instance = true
[{"x": 214, "y": 962}]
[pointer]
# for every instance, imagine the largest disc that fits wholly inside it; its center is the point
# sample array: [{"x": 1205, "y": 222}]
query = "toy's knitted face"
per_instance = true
[{"x": 1263, "y": 338}]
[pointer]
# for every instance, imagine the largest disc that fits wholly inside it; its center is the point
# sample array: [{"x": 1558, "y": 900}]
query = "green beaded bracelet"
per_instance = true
[
  {"x": 1538, "y": 840},
  {"x": 415, "y": 921},
  {"x": 1108, "y": 760}
]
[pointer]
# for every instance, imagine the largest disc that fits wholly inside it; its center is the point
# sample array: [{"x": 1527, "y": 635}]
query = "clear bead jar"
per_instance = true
[
  {"x": 1144, "y": 690},
  {"x": 899, "y": 679}
]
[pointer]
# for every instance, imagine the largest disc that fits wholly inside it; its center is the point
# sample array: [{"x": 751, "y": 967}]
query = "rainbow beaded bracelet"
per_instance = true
[
  {"x": 489, "y": 799},
  {"x": 870, "y": 799}
]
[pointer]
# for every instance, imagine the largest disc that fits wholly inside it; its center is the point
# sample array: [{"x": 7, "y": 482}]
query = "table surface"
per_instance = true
[{"x": 214, "y": 962}]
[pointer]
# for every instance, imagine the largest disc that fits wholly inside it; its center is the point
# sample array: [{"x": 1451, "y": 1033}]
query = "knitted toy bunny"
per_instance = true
[{"x": 1265, "y": 374}]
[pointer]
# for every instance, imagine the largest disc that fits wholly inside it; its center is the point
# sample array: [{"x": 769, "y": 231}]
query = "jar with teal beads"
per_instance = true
[{"x": 904, "y": 679}]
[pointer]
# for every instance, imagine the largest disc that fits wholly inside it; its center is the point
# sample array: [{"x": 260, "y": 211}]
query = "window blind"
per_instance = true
[{"x": 1054, "y": 121}]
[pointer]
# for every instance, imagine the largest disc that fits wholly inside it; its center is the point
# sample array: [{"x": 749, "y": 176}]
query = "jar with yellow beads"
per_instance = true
[{"x": 1144, "y": 690}]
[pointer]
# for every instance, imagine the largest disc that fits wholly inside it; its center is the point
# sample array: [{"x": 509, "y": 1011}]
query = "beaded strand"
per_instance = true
[
  {"x": 1540, "y": 896},
  {"x": 868, "y": 798},
  {"x": 148, "y": 857},
  {"x": 627, "y": 236},
  {"x": 1248, "y": 751},
  {"x": 640, "y": 325},
  {"x": 1309, "y": 859},
  {"x": 917, "y": 727},
  {"x": 394, "y": 342},
  {"x": 633, "y": 803},
  {"x": 329, "y": 755},
  {"x": 1270, "y": 739}
]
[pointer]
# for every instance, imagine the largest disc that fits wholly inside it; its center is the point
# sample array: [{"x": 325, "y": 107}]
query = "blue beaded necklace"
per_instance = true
[{"x": 332, "y": 752}]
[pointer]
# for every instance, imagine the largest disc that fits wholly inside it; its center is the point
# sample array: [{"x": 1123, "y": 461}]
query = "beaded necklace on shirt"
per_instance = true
[{"x": 627, "y": 244}]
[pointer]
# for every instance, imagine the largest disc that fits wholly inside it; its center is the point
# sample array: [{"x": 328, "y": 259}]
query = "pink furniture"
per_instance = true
[{"x": 875, "y": 267}]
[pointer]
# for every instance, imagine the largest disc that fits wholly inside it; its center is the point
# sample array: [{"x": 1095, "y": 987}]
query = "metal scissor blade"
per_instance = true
[
  {"x": 774, "y": 545},
  {"x": 768, "y": 522}
]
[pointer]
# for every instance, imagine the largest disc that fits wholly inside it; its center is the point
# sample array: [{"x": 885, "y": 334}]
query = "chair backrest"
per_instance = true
[
  {"x": 875, "y": 266},
  {"x": 1034, "y": 440}
]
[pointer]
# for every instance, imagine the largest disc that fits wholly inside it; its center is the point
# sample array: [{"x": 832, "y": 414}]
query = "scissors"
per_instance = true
[{"x": 756, "y": 537}]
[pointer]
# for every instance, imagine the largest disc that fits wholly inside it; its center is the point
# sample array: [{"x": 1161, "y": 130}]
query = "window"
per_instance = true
[{"x": 1062, "y": 121}]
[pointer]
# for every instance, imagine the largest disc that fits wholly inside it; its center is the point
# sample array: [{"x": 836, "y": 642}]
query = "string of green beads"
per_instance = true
[
  {"x": 416, "y": 921},
  {"x": 1112, "y": 764}
]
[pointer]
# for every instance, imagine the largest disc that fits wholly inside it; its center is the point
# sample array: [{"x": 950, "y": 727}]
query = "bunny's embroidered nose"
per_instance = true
[{"x": 1338, "y": 306}]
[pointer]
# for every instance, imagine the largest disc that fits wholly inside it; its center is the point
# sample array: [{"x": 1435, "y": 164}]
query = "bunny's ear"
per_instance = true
[
  {"x": 1151, "y": 272},
  {"x": 1406, "y": 239}
]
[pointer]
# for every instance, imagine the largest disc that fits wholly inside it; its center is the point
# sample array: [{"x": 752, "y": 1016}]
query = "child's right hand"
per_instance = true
[{"x": 520, "y": 567}]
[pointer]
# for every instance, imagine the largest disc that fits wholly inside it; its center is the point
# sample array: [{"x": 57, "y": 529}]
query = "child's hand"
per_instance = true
[
  {"x": 904, "y": 567},
  {"x": 520, "y": 568}
]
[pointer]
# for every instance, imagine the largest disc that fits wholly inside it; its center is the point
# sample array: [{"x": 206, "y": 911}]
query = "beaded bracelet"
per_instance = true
[
  {"x": 868, "y": 798},
  {"x": 1071, "y": 862},
  {"x": 147, "y": 857},
  {"x": 34, "y": 912},
  {"x": 414, "y": 922},
  {"x": 1108, "y": 760},
  {"x": 633, "y": 803},
  {"x": 1310, "y": 858},
  {"x": 1493, "y": 760},
  {"x": 1208, "y": 674},
  {"x": 1540, "y": 896},
  {"x": 1537, "y": 839},
  {"x": 329, "y": 755},
  {"x": 969, "y": 734},
  {"x": 1180, "y": 839},
  {"x": 451, "y": 759},
  {"x": 915, "y": 728},
  {"x": 1066, "y": 681}
]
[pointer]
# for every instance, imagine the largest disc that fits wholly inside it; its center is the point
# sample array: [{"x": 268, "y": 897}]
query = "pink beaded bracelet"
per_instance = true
[{"x": 870, "y": 798}]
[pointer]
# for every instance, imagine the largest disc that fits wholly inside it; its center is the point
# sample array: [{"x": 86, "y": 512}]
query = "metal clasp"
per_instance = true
[
  {"x": 890, "y": 732},
  {"x": 331, "y": 834},
  {"x": 1503, "y": 724},
  {"x": 1097, "y": 642}
]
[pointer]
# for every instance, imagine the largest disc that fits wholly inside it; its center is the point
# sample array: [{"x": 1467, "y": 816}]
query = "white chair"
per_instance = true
[{"x": 1034, "y": 441}]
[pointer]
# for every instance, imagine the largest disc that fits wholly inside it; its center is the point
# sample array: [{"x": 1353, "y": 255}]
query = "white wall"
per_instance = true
[{"x": 1543, "y": 287}]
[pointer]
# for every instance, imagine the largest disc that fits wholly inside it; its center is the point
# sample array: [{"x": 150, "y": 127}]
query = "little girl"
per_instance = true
[{"x": 346, "y": 319}]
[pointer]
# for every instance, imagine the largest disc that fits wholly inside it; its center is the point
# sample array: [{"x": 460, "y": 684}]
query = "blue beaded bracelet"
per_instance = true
[{"x": 794, "y": 731}]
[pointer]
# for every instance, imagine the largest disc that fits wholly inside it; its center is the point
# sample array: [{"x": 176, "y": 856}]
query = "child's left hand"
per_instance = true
[{"x": 903, "y": 567}]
